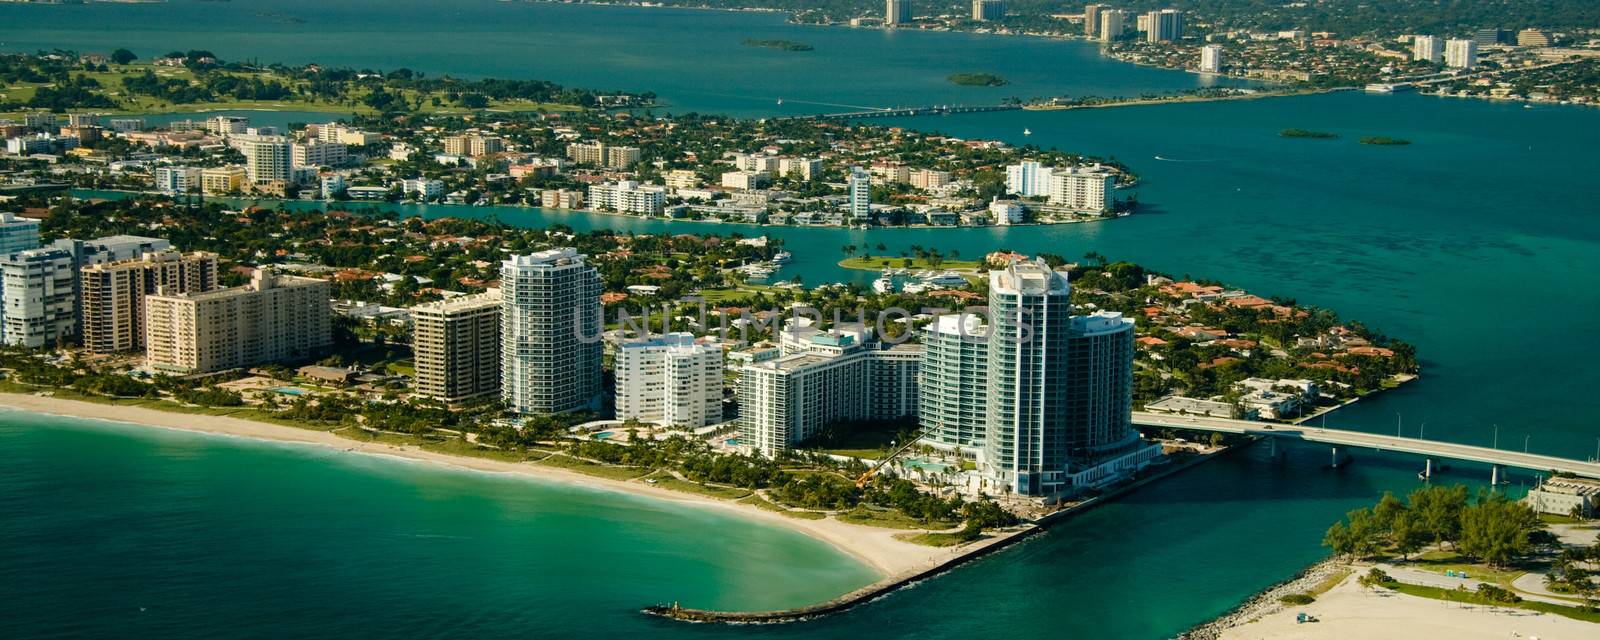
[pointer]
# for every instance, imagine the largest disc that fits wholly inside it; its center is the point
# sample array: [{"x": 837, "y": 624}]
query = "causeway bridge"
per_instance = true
[
  {"x": 1429, "y": 449},
  {"x": 931, "y": 110}
]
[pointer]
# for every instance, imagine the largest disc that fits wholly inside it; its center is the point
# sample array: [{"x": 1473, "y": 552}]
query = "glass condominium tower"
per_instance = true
[
  {"x": 1030, "y": 312},
  {"x": 550, "y": 340}
]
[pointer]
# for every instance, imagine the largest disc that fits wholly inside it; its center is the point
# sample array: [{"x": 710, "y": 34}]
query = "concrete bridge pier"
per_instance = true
[
  {"x": 1494, "y": 475},
  {"x": 1427, "y": 469},
  {"x": 1338, "y": 458},
  {"x": 1272, "y": 448}
]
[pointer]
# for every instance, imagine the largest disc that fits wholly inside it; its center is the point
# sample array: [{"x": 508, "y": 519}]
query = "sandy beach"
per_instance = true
[
  {"x": 875, "y": 547},
  {"x": 1349, "y": 611}
]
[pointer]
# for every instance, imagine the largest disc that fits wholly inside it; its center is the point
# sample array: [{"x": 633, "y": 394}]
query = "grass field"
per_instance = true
[
  {"x": 879, "y": 263},
  {"x": 890, "y": 519},
  {"x": 597, "y": 470},
  {"x": 1436, "y": 593},
  {"x": 934, "y": 539},
  {"x": 763, "y": 503},
  {"x": 111, "y": 86},
  {"x": 726, "y": 493}
]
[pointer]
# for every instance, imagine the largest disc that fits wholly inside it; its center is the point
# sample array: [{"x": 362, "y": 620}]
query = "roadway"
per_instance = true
[{"x": 1357, "y": 439}]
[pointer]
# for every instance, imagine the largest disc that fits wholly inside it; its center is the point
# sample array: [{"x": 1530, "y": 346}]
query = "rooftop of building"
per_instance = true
[
  {"x": 490, "y": 298},
  {"x": 548, "y": 257},
  {"x": 1028, "y": 277}
]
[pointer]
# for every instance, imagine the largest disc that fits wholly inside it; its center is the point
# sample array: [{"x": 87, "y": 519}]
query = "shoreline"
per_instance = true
[
  {"x": 875, "y": 548},
  {"x": 1143, "y": 102},
  {"x": 354, "y": 205}
]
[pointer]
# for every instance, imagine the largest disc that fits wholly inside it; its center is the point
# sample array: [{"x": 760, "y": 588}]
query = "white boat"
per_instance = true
[
  {"x": 783, "y": 257},
  {"x": 1027, "y": 132},
  {"x": 884, "y": 284},
  {"x": 946, "y": 279},
  {"x": 914, "y": 287}
]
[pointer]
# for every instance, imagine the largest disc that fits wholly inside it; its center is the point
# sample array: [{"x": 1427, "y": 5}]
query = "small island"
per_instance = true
[
  {"x": 1307, "y": 133},
  {"x": 1385, "y": 141},
  {"x": 977, "y": 79},
  {"x": 781, "y": 45}
]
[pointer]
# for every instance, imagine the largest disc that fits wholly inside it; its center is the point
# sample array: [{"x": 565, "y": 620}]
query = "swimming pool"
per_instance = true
[
  {"x": 603, "y": 435},
  {"x": 290, "y": 391}
]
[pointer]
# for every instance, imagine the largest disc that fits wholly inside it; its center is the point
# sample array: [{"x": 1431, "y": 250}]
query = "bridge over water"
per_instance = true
[{"x": 1430, "y": 449}]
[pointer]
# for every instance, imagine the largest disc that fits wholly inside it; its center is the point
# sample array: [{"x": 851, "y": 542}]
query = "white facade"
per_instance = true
[
  {"x": 836, "y": 379},
  {"x": 550, "y": 333},
  {"x": 897, "y": 12},
  {"x": 1211, "y": 58},
  {"x": 39, "y": 289},
  {"x": 1427, "y": 49},
  {"x": 1083, "y": 189},
  {"x": 669, "y": 381},
  {"x": 177, "y": 180},
  {"x": 1165, "y": 25},
  {"x": 317, "y": 154},
  {"x": 266, "y": 158},
  {"x": 1460, "y": 54},
  {"x": 628, "y": 196},
  {"x": 800, "y": 168},
  {"x": 860, "y": 187},
  {"x": 744, "y": 180},
  {"x": 1029, "y": 179},
  {"x": 1005, "y": 212},
  {"x": 1112, "y": 23},
  {"x": 425, "y": 188}
]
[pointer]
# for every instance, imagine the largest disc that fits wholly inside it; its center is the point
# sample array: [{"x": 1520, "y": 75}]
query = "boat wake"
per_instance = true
[{"x": 1179, "y": 160}]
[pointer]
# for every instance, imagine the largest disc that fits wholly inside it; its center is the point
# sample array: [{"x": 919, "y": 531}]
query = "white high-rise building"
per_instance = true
[
  {"x": 1091, "y": 20},
  {"x": 1460, "y": 54},
  {"x": 41, "y": 288},
  {"x": 669, "y": 381},
  {"x": 1029, "y": 179},
  {"x": 800, "y": 168},
  {"x": 1041, "y": 398},
  {"x": 860, "y": 186},
  {"x": 316, "y": 153},
  {"x": 266, "y": 158},
  {"x": 953, "y": 385},
  {"x": 821, "y": 379},
  {"x": 1086, "y": 189},
  {"x": 275, "y": 318},
  {"x": 1427, "y": 49},
  {"x": 628, "y": 196},
  {"x": 1165, "y": 25},
  {"x": 177, "y": 180},
  {"x": 897, "y": 12},
  {"x": 988, "y": 10},
  {"x": 1112, "y": 23},
  {"x": 17, "y": 234},
  {"x": 550, "y": 333},
  {"x": 1211, "y": 58}
]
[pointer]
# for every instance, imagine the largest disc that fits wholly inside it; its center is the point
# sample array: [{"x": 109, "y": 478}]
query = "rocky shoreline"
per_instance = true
[{"x": 1266, "y": 602}]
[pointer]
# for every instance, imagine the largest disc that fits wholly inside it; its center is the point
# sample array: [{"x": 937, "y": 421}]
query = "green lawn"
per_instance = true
[
  {"x": 934, "y": 539},
  {"x": 897, "y": 262},
  {"x": 763, "y": 503},
  {"x": 726, "y": 493},
  {"x": 1442, "y": 561},
  {"x": 597, "y": 470},
  {"x": 889, "y": 519},
  {"x": 1436, "y": 593}
]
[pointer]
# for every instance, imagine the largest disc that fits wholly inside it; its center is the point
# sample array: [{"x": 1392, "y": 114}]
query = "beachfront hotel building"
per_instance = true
[
  {"x": 456, "y": 347},
  {"x": 953, "y": 390},
  {"x": 669, "y": 380},
  {"x": 40, "y": 292},
  {"x": 274, "y": 318},
  {"x": 1041, "y": 398},
  {"x": 821, "y": 379},
  {"x": 550, "y": 333},
  {"x": 114, "y": 295}
]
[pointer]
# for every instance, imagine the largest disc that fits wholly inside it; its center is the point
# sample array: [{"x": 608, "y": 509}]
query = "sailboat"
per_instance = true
[{"x": 1027, "y": 131}]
